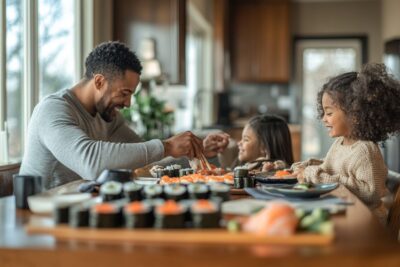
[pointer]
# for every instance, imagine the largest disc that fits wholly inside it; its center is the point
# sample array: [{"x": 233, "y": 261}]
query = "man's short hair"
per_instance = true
[{"x": 111, "y": 59}]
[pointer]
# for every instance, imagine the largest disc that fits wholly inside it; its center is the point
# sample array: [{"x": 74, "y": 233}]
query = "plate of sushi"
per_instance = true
[
  {"x": 276, "y": 177},
  {"x": 301, "y": 190},
  {"x": 133, "y": 205},
  {"x": 176, "y": 174}
]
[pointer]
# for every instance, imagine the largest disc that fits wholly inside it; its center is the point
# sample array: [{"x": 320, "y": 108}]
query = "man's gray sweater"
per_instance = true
[{"x": 66, "y": 143}]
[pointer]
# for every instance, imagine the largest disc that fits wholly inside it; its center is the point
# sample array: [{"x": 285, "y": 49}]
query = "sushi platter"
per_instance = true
[
  {"x": 156, "y": 213},
  {"x": 174, "y": 236}
]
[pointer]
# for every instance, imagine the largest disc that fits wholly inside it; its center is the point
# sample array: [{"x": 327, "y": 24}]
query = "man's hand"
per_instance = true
[
  {"x": 183, "y": 144},
  {"x": 215, "y": 143}
]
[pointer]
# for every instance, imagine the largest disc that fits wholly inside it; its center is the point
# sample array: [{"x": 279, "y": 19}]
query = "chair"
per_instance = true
[
  {"x": 394, "y": 214},
  {"x": 6, "y": 178}
]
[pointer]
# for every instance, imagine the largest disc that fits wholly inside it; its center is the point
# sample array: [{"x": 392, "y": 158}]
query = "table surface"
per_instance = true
[{"x": 359, "y": 241}]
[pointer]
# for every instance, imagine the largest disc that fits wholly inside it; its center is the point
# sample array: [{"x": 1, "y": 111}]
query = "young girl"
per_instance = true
[
  {"x": 265, "y": 144},
  {"x": 359, "y": 110}
]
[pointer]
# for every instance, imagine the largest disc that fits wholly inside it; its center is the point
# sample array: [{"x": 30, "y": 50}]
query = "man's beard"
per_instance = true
[{"x": 106, "y": 113}]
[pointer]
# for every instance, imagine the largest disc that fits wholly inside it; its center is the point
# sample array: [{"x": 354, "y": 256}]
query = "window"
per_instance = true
[
  {"x": 317, "y": 61},
  {"x": 14, "y": 75},
  {"x": 56, "y": 42},
  {"x": 54, "y": 34}
]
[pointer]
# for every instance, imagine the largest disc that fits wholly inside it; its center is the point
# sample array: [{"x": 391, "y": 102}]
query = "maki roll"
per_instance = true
[
  {"x": 170, "y": 215},
  {"x": 220, "y": 190},
  {"x": 79, "y": 213},
  {"x": 63, "y": 204},
  {"x": 175, "y": 192},
  {"x": 133, "y": 191},
  {"x": 240, "y": 172},
  {"x": 198, "y": 191},
  {"x": 186, "y": 171},
  {"x": 152, "y": 204},
  {"x": 138, "y": 215},
  {"x": 153, "y": 191},
  {"x": 105, "y": 215},
  {"x": 111, "y": 191},
  {"x": 79, "y": 216},
  {"x": 175, "y": 170},
  {"x": 205, "y": 214}
]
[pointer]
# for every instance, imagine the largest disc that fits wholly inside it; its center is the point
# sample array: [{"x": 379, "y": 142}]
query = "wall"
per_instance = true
[
  {"x": 342, "y": 18},
  {"x": 390, "y": 19}
]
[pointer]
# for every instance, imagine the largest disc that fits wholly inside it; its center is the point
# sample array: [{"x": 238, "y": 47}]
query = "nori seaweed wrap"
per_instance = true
[
  {"x": 205, "y": 214},
  {"x": 153, "y": 191},
  {"x": 105, "y": 215},
  {"x": 170, "y": 215},
  {"x": 175, "y": 192},
  {"x": 198, "y": 191},
  {"x": 138, "y": 215},
  {"x": 111, "y": 191},
  {"x": 220, "y": 190},
  {"x": 133, "y": 191}
]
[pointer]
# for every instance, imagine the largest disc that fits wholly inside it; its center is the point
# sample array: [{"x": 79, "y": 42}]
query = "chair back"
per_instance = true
[
  {"x": 394, "y": 213},
  {"x": 6, "y": 178}
]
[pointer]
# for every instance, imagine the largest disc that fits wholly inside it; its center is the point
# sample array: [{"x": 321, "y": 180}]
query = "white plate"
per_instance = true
[
  {"x": 44, "y": 203},
  {"x": 146, "y": 180}
]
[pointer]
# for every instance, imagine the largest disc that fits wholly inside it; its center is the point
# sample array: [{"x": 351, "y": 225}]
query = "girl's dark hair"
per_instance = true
[
  {"x": 273, "y": 132},
  {"x": 370, "y": 99},
  {"x": 111, "y": 59}
]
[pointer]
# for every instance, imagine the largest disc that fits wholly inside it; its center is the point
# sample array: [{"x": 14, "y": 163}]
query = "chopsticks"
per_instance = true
[{"x": 204, "y": 162}]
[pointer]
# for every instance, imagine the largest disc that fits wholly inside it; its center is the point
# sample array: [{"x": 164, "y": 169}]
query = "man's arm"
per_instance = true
[{"x": 61, "y": 134}]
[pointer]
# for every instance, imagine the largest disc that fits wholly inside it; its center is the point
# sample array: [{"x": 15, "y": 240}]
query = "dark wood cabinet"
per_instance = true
[
  {"x": 259, "y": 40},
  {"x": 161, "y": 20}
]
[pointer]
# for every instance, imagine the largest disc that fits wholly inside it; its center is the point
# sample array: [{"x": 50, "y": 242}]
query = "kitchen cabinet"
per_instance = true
[
  {"x": 164, "y": 21},
  {"x": 259, "y": 40}
]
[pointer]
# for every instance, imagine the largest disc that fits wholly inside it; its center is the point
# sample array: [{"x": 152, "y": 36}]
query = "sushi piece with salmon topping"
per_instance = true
[
  {"x": 276, "y": 219},
  {"x": 138, "y": 215},
  {"x": 205, "y": 214},
  {"x": 105, "y": 215},
  {"x": 170, "y": 215}
]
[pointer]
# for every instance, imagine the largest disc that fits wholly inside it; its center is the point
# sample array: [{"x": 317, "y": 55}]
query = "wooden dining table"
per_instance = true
[{"x": 360, "y": 240}]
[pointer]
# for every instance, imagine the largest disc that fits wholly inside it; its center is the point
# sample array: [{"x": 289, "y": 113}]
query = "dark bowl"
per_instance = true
[{"x": 117, "y": 175}]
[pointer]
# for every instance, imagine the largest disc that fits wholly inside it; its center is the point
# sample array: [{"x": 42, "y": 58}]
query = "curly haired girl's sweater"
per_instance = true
[{"x": 359, "y": 167}]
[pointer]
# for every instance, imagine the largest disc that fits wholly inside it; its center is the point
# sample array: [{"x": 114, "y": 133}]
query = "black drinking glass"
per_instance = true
[{"x": 25, "y": 186}]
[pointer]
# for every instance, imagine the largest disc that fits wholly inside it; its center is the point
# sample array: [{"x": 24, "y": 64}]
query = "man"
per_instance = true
[{"x": 77, "y": 133}]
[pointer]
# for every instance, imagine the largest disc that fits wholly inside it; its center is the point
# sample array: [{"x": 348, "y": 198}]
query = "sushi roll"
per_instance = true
[
  {"x": 79, "y": 213},
  {"x": 105, "y": 215},
  {"x": 153, "y": 204},
  {"x": 61, "y": 212},
  {"x": 63, "y": 204},
  {"x": 238, "y": 182},
  {"x": 175, "y": 170},
  {"x": 170, "y": 215},
  {"x": 182, "y": 172},
  {"x": 198, "y": 191},
  {"x": 187, "y": 203},
  {"x": 133, "y": 191},
  {"x": 79, "y": 216},
  {"x": 175, "y": 192},
  {"x": 111, "y": 191},
  {"x": 205, "y": 214},
  {"x": 248, "y": 182},
  {"x": 138, "y": 215},
  {"x": 153, "y": 191},
  {"x": 240, "y": 172},
  {"x": 220, "y": 190}
]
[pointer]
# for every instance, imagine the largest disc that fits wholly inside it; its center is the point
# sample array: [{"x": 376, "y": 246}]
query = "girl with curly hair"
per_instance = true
[
  {"x": 265, "y": 145},
  {"x": 359, "y": 110}
]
